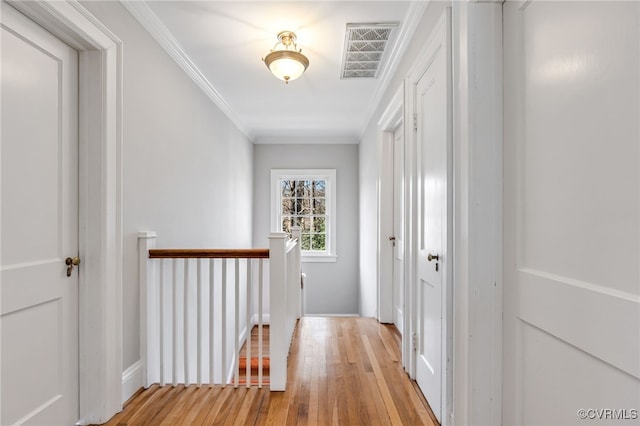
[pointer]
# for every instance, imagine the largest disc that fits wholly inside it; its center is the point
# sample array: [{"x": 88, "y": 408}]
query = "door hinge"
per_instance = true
[
  {"x": 415, "y": 121},
  {"x": 414, "y": 341}
]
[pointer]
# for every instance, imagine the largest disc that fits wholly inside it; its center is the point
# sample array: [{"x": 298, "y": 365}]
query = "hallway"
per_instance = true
[{"x": 341, "y": 371}]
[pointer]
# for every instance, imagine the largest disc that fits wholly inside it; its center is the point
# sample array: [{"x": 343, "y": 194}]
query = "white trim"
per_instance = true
[
  {"x": 409, "y": 26},
  {"x": 400, "y": 315},
  {"x": 100, "y": 201},
  {"x": 332, "y": 315},
  {"x": 322, "y": 258},
  {"x": 265, "y": 319},
  {"x": 478, "y": 113},
  {"x": 132, "y": 380},
  {"x": 330, "y": 205},
  {"x": 440, "y": 38},
  {"x": 307, "y": 139},
  {"x": 411, "y": 214},
  {"x": 154, "y": 26},
  {"x": 388, "y": 123},
  {"x": 149, "y": 332}
]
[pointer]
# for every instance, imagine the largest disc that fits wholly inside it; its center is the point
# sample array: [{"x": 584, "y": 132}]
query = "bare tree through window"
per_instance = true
[{"x": 304, "y": 205}]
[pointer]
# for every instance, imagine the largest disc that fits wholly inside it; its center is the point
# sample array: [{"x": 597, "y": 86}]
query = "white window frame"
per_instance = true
[{"x": 329, "y": 175}]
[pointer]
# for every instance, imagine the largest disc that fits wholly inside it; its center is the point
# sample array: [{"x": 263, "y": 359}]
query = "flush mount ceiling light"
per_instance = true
[{"x": 285, "y": 60}]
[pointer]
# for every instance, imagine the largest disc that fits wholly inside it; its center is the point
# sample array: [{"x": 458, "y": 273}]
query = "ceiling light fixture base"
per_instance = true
[{"x": 285, "y": 61}]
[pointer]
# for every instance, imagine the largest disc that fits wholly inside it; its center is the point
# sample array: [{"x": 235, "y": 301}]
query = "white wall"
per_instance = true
[
  {"x": 188, "y": 171},
  {"x": 369, "y": 165},
  {"x": 330, "y": 288}
]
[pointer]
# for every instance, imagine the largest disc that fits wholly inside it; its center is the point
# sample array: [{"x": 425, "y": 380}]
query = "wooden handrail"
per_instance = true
[{"x": 209, "y": 253}]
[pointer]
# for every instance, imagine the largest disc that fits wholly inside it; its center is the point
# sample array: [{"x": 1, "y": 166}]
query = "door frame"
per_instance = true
[
  {"x": 386, "y": 125},
  {"x": 418, "y": 68},
  {"x": 100, "y": 200},
  {"x": 390, "y": 120},
  {"x": 477, "y": 166}
]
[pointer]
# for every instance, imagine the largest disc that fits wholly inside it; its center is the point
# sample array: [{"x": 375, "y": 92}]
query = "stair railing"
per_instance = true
[{"x": 198, "y": 307}]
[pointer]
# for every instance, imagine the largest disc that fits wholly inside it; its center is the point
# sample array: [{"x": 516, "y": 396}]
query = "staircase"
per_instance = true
[{"x": 254, "y": 361}]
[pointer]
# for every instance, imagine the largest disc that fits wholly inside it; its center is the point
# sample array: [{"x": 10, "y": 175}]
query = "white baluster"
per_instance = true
[
  {"x": 236, "y": 335},
  {"x": 199, "y": 324},
  {"x": 174, "y": 318},
  {"x": 185, "y": 324},
  {"x": 260, "y": 310},
  {"x": 161, "y": 309},
  {"x": 249, "y": 325},
  {"x": 224, "y": 323},
  {"x": 211, "y": 320}
]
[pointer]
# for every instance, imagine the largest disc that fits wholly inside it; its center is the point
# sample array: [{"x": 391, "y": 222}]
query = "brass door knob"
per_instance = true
[
  {"x": 71, "y": 262},
  {"x": 431, "y": 257}
]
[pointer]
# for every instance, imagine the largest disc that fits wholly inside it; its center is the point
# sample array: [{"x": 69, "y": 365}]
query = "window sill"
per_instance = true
[{"x": 319, "y": 259}]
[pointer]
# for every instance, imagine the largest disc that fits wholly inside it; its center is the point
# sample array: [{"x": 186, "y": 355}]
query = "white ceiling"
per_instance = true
[{"x": 221, "y": 43}]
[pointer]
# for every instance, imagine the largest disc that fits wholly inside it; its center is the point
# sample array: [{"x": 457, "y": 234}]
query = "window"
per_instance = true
[{"x": 306, "y": 198}]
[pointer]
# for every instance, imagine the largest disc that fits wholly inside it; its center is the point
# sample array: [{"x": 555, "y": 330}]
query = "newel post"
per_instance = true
[
  {"x": 146, "y": 241},
  {"x": 296, "y": 268},
  {"x": 278, "y": 347}
]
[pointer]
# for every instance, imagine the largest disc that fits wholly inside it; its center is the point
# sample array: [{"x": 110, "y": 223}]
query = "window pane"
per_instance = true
[
  {"x": 286, "y": 224},
  {"x": 303, "y": 206},
  {"x": 287, "y": 187},
  {"x": 289, "y": 221},
  {"x": 305, "y": 224},
  {"x": 306, "y": 242},
  {"x": 287, "y": 206},
  {"x": 318, "y": 242},
  {"x": 319, "y": 188},
  {"x": 319, "y": 225},
  {"x": 319, "y": 206},
  {"x": 303, "y": 188}
]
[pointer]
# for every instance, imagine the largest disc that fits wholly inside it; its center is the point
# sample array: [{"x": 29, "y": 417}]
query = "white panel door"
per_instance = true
[
  {"x": 572, "y": 213},
  {"x": 398, "y": 228},
  {"x": 434, "y": 227},
  {"x": 39, "y": 302}
]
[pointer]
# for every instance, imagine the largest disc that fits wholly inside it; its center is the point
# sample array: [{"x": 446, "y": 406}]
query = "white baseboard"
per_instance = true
[
  {"x": 265, "y": 319},
  {"x": 333, "y": 315},
  {"x": 399, "y": 320},
  {"x": 131, "y": 380}
]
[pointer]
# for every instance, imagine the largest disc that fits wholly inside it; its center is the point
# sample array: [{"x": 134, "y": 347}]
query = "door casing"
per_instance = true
[
  {"x": 386, "y": 125},
  {"x": 477, "y": 228},
  {"x": 100, "y": 200}
]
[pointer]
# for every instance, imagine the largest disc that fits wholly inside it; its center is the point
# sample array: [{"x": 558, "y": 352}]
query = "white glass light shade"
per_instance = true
[{"x": 287, "y": 65}]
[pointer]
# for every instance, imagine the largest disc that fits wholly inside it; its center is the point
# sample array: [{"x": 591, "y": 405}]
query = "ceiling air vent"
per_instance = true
[{"x": 364, "y": 46}]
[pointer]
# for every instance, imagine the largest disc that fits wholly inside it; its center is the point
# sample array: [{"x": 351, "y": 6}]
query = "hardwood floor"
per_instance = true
[{"x": 342, "y": 371}]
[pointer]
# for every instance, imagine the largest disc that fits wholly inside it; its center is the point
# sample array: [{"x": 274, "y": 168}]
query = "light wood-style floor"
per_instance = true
[{"x": 343, "y": 371}]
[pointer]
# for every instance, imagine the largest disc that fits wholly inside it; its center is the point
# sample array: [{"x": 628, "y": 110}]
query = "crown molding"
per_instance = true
[
  {"x": 154, "y": 26},
  {"x": 407, "y": 30},
  {"x": 306, "y": 140}
]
